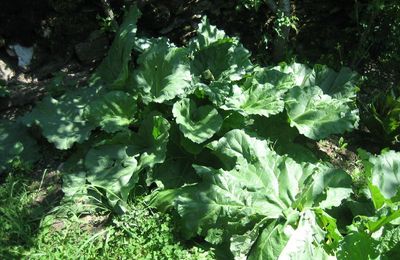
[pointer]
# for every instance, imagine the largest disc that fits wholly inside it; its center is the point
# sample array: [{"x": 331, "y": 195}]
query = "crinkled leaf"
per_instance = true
[
  {"x": 323, "y": 101},
  {"x": 262, "y": 94},
  {"x": 110, "y": 167},
  {"x": 196, "y": 123},
  {"x": 270, "y": 242},
  {"x": 206, "y": 34},
  {"x": 113, "y": 111},
  {"x": 300, "y": 72},
  {"x": 163, "y": 73},
  {"x": 176, "y": 170},
  {"x": 235, "y": 145},
  {"x": 317, "y": 115},
  {"x": 114, "y": 69},
  {"x": 216, "y": 56},
  {"x": 261, "y": 183},
  {"x": 222, "y": 60},
  {"x": 16, "y": 143},
  {"x": 339, "y": 85},
  {"x": 62, "y": 120},
  {"x": 214, "y": 236}
]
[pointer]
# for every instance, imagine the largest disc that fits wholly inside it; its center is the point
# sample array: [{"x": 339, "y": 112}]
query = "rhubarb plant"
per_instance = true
[{"x": 202, "y": 131}]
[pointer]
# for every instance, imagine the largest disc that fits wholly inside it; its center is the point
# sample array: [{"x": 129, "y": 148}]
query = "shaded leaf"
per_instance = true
[
  {"x": 16, "y": 144},
  {"x": 62, "y": 120},
  {"x": 163, "y": 73},
  {"x": 111, "y": 168},
  {"x": 113, "y": 111},
  {"x": 114, "y": 69},
  {"x": 196, "y": 123}
]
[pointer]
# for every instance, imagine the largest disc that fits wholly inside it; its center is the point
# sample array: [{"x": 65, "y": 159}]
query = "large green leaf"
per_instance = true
[
  {"x": 235, "y": 145},
  {"x": 163, "y": 73},
  {"x": 322, "y": 101},
  {"x": 113, "y": 111},
  {"x": 283, "y": 241},
  {"x": 110, "y": 167},
  {"x": 62, "y": 120},
  {"x": 221, "y": 60},
  {"x": 216, "y": 56},
  {"x": 385, "y": 174},
  {"x": 196, "y": 123},
  {"x": 114, "y": 69},
  {"x": 206, "y": 35},
  {"x": 16, "y": 144},
  {"x": 339, "y": 85},
  {"x": 262, "y": 94},
  {"x": 175, "y": 172},
  {"x": 258, "y": 185},
  {"x": 317, "y": 115},
  {"x": 300, "y": 72}
]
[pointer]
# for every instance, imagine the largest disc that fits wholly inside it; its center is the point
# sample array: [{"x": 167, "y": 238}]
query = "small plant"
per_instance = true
[
  {"x": 382, "y": 118},
  {"x": 107, "y": 24},
  {"x": 342, "y": 144}
]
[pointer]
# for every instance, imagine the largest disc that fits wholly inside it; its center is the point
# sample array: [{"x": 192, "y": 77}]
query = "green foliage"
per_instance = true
[
  {"x": 200, "y": 124},
  {"x": 113, "y": 112},
  {"x": 163, "y": 73},
  {"x": 21, "y": 212},
  {"x": 382, "y": 118},
  {"x": 62, "y": 120},
  {"x": 18, "y": 149},
  {"x": 63, "y": 234},
  {"x": 197, "y": 124},
  {"x": 139, "y": 233},
  {"x": 114, "y": 70}
]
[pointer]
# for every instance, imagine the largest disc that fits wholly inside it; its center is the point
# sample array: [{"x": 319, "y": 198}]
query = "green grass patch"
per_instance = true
[{"x": 31, "y": 227}]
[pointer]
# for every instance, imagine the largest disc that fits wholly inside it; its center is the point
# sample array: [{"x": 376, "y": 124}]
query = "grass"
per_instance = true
[{"x": 34, "y": 225}]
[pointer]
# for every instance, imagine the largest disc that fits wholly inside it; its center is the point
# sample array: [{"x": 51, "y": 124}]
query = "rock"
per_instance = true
[
  {"x": 6, "y": 72},
  {"x": 24, "y": 54},
  {"x": 93, "y": 49}
]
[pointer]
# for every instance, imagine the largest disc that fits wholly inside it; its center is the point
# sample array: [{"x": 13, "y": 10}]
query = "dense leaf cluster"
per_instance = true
[{"x": 221, "y": 140}]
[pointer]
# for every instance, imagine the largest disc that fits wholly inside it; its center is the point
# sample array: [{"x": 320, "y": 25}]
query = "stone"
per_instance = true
[{"x": 6, "y": 72}]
